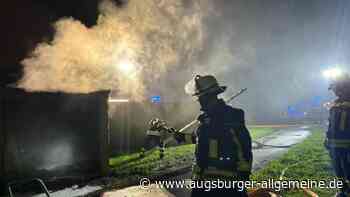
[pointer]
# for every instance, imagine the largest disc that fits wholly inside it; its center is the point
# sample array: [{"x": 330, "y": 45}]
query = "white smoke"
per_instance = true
[{"x": 129, "y": 46}]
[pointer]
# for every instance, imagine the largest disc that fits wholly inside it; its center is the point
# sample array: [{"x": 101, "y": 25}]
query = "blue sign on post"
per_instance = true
[
  {"x": 155, "y": 99},
  {"x": 294, "y": 112}
]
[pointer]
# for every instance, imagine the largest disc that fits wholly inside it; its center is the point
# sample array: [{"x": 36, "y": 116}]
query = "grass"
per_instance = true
[
  {"x": 307, "y": 160},
  {"x": 258, "y": 132},
  {"x": 150, "y": 164},
  {"x": 174, "y": 157}
]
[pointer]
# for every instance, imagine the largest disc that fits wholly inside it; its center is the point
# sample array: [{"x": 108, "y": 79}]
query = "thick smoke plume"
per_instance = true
[{"x": 130, "y": 46}]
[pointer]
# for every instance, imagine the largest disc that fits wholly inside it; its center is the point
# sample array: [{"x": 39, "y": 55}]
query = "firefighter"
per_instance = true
[
  {"x": 153, "y": 138},
  {"x": 338, "y": 133},
  {"x": 223, "y": 143}
]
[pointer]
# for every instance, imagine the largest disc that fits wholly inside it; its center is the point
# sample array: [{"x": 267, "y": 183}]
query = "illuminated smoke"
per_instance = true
[{"x": 129, "y": 46}]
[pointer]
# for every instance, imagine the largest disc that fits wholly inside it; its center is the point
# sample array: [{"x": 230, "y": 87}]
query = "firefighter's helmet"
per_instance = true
[{"x": 203, "y": 85}]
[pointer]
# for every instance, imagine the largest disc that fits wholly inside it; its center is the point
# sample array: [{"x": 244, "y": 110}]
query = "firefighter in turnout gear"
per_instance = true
[
  {"x": 338, "y": 134},
  {"x": 154, "y": 137},
  {"x": 223, "y": 143},
  {"x": 154, "y": 134}
]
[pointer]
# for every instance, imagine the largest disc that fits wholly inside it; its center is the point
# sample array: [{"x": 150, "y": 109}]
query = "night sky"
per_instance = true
[{"x": 26, "y": 23}]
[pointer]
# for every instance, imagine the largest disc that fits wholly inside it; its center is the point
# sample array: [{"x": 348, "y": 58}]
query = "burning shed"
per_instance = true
[{"x": 52, "y": 136}]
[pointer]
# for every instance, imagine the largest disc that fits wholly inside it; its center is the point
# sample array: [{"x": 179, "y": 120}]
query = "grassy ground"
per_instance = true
[
  {"x": 150, "y": 164},
  {"x": 258, "y": 132},
  {"x": 307, "y": 160},
  {"x": 174, "y": 157}
]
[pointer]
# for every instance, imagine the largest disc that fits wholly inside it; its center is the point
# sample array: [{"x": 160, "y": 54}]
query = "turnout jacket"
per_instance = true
[
  {"x": 338, "y": 133},
  {"x": 223, "y": 144}
]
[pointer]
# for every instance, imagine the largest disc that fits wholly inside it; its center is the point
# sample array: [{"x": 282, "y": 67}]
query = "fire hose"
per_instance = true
[
  {"x": 307, "y": 191},
  {"x": 157, "y": 126},
  {"x": 257, "y": 192},
  {"x": 161, "y": 125}
]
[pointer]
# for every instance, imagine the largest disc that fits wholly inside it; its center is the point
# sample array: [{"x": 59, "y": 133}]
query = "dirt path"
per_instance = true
[
  {"x": 285, "y": 137},
  {"x": 262, "y": 156}
]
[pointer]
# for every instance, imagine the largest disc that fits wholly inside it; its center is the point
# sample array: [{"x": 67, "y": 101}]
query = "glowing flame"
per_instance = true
[{"x": 126, "y": 67}]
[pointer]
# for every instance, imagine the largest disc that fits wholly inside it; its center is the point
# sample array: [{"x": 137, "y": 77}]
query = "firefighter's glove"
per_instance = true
[
  {"x": 179, "y": 137},
  {"x": 204, "y": 119}
]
